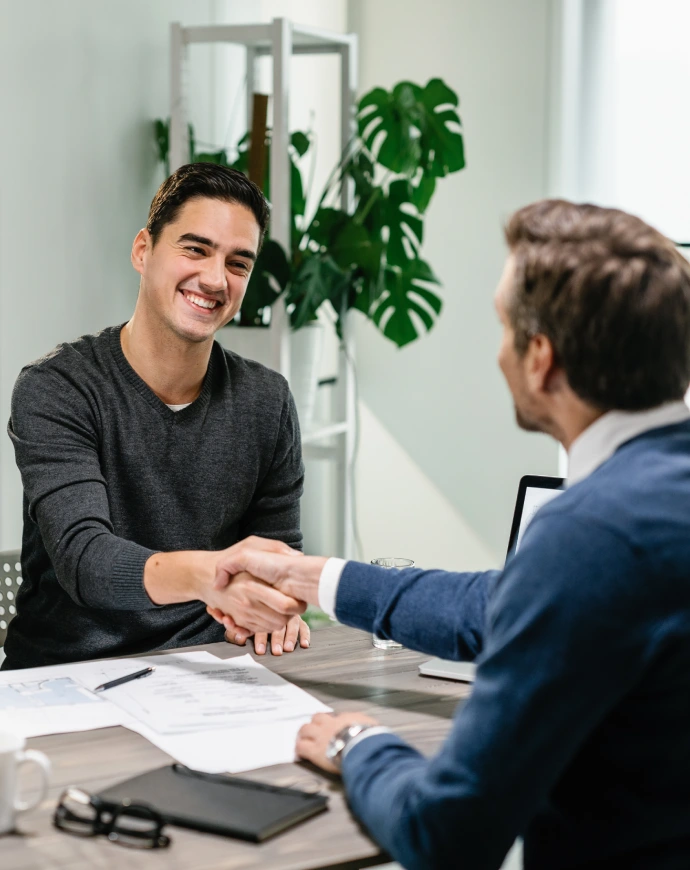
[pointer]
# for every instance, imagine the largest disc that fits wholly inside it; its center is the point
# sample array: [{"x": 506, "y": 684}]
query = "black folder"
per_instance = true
[{"x": 224, "y": 805}]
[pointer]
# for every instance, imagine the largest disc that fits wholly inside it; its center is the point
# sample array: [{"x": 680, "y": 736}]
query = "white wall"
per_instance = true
[
  {"x": 401, "y": 512},
  {"x": 442, "y": 398}
]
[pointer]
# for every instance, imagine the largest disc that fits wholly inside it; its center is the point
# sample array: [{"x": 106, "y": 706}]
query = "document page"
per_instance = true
[
  {"x": 54, "y": 700},
  {"x": 207, "y": 713},
  {"x": 189, "y": 695}
]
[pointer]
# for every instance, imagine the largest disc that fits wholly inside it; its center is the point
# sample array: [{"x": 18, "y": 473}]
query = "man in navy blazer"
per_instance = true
[{"x": 577, "y": 733}]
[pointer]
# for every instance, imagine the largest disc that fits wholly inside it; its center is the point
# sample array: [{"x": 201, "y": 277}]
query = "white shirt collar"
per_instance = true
[{"x": 602, "y": 438}]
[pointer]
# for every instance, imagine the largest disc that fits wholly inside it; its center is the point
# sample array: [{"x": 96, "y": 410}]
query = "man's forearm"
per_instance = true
[
  {"x": 440, "y": 613},
  {"x": 186, "y": 575}
]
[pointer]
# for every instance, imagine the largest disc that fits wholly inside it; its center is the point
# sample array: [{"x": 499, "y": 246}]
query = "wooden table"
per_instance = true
[{"x": 343, "y": 670}]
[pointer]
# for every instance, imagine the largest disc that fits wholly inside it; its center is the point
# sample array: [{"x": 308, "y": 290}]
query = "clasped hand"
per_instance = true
[
  {"x": 248, "y": 606},
  {"x": 268, "y": 580}
]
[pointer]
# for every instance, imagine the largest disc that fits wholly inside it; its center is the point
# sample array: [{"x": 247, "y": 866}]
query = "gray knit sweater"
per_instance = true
[{"x": 111, "y": 475}]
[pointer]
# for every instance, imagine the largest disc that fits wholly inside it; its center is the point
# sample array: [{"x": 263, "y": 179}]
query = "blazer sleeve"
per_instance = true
[
  {"x": 440, "y": 613},
  {"x": 562, "y": 648}
]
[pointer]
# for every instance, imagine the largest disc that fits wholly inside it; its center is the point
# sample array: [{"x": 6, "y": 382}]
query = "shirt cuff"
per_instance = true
[
  {"x": 370, "y": 732},
  {"x": 328, "y": 585}
]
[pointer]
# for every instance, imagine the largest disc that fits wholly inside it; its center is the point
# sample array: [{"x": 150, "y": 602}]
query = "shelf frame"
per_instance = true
[{"x": 282, "y": 39}]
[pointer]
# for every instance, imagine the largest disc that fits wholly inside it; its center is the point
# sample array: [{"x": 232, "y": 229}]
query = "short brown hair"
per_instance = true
[
  {"x": 205, "y": 180},
  {"x": 612, "y": 295}
]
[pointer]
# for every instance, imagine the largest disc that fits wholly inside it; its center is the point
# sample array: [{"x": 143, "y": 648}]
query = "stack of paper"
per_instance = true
[{"x": 209, "y": 714}]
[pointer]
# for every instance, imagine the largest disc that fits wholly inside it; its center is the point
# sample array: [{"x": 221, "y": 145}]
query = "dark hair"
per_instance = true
[
  {"x": 612, "y": 295},
  {"x": 197, "y": 180}
]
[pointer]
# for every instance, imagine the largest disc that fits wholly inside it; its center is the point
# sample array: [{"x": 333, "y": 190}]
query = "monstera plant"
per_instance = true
[{"x": 370, "y": 257}]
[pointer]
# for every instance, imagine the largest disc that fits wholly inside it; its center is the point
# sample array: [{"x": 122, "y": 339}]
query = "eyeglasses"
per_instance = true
[{"x": 129, "y": 824}]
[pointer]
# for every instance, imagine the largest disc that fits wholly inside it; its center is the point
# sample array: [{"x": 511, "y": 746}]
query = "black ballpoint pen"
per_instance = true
[{"x": 120, "y": 680}]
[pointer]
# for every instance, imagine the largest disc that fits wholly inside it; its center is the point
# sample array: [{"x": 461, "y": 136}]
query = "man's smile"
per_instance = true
[{"x": 200, "y": 303}]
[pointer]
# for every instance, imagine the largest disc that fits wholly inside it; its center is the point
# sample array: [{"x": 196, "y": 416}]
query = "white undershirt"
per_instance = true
[{"x": 179, "y": 407}]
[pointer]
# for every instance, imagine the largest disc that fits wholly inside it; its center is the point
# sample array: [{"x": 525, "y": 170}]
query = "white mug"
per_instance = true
[{"x": 12, "y": 756}]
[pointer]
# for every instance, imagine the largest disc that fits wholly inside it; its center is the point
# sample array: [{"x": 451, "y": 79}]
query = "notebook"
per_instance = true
[{"x": 218, "y": 804}]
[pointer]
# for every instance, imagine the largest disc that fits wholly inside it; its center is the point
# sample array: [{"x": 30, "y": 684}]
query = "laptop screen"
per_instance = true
[{"x": 534, "y": 491}]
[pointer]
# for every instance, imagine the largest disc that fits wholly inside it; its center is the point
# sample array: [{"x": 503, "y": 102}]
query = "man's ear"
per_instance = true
[
  {"x": 542, "y": 370},
  {"x": 140, "y": 246}
]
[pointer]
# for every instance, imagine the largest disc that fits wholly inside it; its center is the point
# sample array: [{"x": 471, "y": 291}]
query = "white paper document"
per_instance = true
[
  {"x": 191, "y": 695},
  {"x": 210, "y": 714},
  {"x": 230, "y": 750},
  {"x": 55, "y": 700}
]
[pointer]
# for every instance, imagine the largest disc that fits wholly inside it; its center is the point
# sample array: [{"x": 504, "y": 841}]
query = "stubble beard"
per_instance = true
[{"x": 528, "y": 424}]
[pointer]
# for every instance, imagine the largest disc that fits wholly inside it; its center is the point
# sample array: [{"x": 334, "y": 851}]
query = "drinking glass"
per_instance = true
[{"x": 390, "y": 562}]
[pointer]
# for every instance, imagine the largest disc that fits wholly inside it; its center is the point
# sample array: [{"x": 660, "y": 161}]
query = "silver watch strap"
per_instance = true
[{"x": 369, "y": 731}]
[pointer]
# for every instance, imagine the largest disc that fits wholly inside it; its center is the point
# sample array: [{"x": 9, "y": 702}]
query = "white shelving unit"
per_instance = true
[{"x": 281, "y": 39}]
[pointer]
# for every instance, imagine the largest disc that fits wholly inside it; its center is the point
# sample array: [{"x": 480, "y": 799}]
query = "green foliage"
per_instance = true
[
  {"x": 412, "y": 128},
  {"x": 404, "y": 293},
  {"x": 270, "y": 276},
  {"x": 369, "y": 259}
]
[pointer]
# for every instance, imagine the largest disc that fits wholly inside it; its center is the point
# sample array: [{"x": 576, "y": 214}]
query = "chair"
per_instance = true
[{"x": 10, "y": 581}]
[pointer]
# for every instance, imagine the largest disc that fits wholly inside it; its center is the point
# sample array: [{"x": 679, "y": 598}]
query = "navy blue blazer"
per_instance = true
[{"x": 577, "y": 733}]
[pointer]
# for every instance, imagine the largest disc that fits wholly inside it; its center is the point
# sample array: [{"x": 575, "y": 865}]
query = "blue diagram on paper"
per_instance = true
[{"x": 59, "y": 692}]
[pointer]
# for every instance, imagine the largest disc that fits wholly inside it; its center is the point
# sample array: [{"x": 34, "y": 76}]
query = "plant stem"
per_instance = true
[{"x": 376, "y": 193}]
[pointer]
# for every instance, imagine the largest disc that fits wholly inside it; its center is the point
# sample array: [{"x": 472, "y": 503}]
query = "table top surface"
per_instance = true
[{"x": 343, "y": 670}]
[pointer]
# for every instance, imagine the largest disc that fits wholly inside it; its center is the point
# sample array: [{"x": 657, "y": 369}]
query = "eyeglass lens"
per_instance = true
[{"x": 127, "y": 824}]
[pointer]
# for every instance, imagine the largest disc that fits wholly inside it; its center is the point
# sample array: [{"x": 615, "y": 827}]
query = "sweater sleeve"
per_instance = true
[
  {"x": 564, "y": 643},
  {"x": 274, "y": 511},
  {"x": 55, "y": 432},
  {"x": 440, "y": 613}
]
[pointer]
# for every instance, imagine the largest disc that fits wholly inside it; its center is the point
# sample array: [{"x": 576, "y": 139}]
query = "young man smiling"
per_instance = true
[{"x": 147, "y": 451}]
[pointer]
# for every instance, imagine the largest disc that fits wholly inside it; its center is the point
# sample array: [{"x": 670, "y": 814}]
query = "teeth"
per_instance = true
[{"x": 202, "y": 303}]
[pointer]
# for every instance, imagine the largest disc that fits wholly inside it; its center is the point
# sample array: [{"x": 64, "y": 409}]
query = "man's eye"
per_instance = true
[
  {"x": 242, "y": 266},
  {"x": 194, "y": 249}
]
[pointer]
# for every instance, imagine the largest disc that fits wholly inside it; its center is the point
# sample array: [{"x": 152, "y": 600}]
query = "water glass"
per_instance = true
[{"x": 390, "y": 562}]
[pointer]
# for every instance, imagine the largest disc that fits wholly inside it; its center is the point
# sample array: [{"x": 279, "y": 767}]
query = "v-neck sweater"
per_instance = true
[{"x": 111, "y": 475}]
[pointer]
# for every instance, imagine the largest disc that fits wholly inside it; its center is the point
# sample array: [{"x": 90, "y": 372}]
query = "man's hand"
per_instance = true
[
  {"x": 285, "y": 640},
  {"x": 314, "y": 737},
  {"x": 253, "y": 606},
  {"x": 294, "y": 575},
  {"x": 188, "y": 575}
]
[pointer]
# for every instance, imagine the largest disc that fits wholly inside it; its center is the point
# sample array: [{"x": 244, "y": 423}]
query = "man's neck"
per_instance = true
[
  {"x": 575, "y": 423},
  {"x": 172, "y": 367}
]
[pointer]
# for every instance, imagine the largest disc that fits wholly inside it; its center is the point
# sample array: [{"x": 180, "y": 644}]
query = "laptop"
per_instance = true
[{"x": 534, "y": 491}]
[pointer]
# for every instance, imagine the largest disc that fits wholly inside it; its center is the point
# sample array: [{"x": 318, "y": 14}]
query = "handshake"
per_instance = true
[{"x": 262, "y": 586}]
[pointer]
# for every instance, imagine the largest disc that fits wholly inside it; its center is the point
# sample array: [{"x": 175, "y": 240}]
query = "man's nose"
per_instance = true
[{"x": 213, "y": 276}]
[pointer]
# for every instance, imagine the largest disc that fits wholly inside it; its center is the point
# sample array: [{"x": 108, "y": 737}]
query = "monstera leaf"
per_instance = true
[
  {"x": 399, "y": 215},
  {"x": 388, "y": 125},
  {"x": 349, "y": 244},
  {"x": 319, "y": 278},
  {"x": 270, "y": 276},
  {"x": 443, "y": 149},
  {"x": 412, "y": 128},
  {"x": 421, "y": 193},
  {"x": 405, "y": 294}
]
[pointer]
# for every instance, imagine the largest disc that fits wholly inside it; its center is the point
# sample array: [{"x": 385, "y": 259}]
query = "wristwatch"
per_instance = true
[{"x": 337, "y": 744}]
